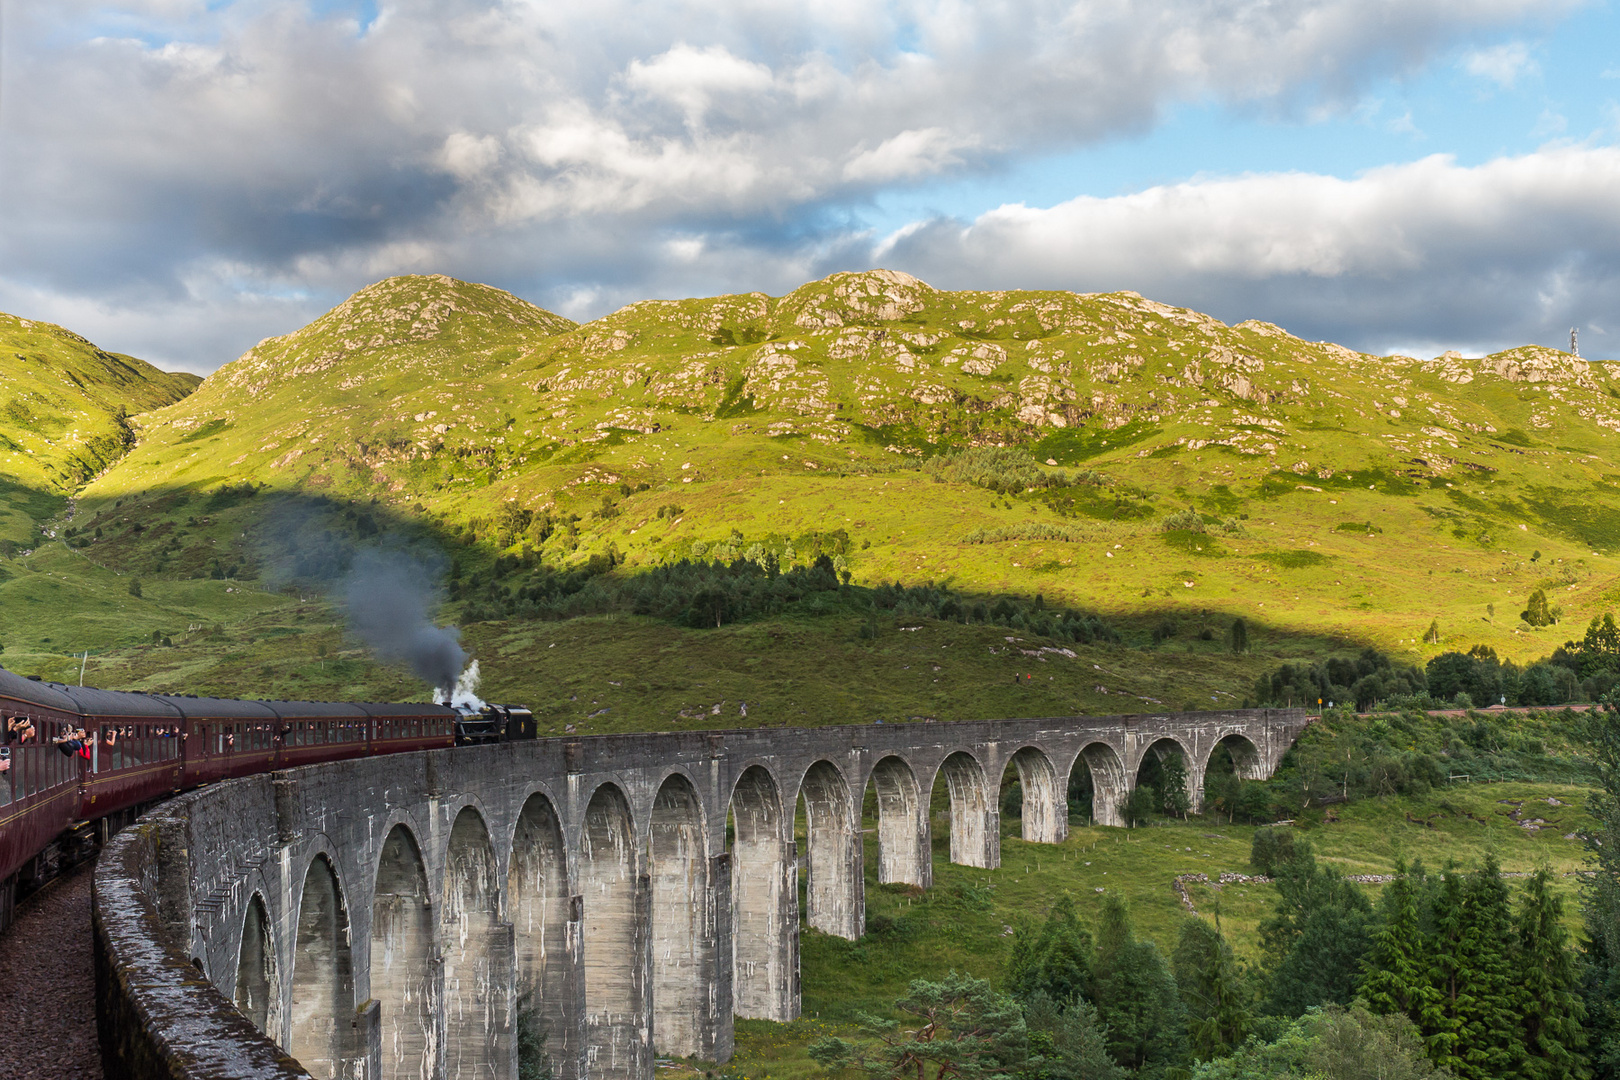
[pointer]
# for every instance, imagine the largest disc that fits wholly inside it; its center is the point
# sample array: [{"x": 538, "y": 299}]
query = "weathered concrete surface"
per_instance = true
[{"x": 394, "y": 916}]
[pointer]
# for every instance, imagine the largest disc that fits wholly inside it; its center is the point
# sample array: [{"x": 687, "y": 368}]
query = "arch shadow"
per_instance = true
[
  {"x": 321, "y": 1034},
  {"x": 764, "y": 893},
  {"x": 832, "y": 834},
  {"x": 682, "y": 920},
  {"x": 617, "y": 1035},
  {"x": 975, "y": 835},
  {"x": 904, "y": 852},
  {"x": 477, "y": 952},
  {"x": 258, "y": 981},
  {"x": 402, "y": 958},
  {"x": 546, "y": 955}
]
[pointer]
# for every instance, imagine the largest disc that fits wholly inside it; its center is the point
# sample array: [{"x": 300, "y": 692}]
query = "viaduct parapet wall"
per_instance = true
[{"x": 395, "y": 916}]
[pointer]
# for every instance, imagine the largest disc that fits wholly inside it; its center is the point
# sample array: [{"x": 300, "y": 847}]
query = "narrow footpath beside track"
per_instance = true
[{"x": 47, "y": 985}]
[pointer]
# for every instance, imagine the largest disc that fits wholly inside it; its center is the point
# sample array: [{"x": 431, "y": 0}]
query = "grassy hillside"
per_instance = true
[
  {"x": 64, "y": 417},
  {"x": 1172, "y": 473}
]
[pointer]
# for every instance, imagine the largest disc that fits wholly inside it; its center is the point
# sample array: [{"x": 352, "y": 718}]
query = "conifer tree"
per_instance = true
[
  {"x": 1397, "y": 968},
  {"x": 1067, "y": 1043},
  {"x": 1600, "y": 893},
  {"x": 1174, "y": 797},
  {"x": 1056, "y": 961},
  {"x": 1316, "y": 936},
  {"x": 1552, "y": 1010},
  {"x": 1441, "y": 1024},
  {"x": 1492, "y": 1045},
  {"x": 1136, "y": 997},
  {"x": 1212, "y": 989},
  {"x": 957, "y": 1028}
]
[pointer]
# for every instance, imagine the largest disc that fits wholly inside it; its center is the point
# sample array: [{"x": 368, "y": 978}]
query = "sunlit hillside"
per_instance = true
[{"x": 64, "y": 408}]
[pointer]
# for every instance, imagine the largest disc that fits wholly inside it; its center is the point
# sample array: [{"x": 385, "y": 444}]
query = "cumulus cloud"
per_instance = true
[
  {"x": 1501, "y": 64},
  {"x": 170, "y": 158},
  {"x": 1430, "y": 252}
]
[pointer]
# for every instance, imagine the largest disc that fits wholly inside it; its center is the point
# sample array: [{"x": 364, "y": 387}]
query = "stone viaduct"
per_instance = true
[{"x": 391, "y": 917}]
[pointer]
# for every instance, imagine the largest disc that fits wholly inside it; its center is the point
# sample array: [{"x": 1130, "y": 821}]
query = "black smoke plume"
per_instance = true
[{"x": 388, "y": 595}]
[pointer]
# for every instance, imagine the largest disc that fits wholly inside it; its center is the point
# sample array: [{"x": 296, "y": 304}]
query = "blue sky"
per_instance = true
[
  {"x": 180, "y": 178},
  {"x": 1562, "y": 83}
]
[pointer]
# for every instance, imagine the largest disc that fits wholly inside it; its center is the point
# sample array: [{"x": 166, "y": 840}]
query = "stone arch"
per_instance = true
[
  {"x": 617, "y": 1035},
  {"x": 1160, "y": 751},
  {"x": 1247, "y": 761},
  {"x": 402, "y": 959},
  {"x": 1045, "y": 815},
  {"x": 1110, "y": 784},
  {"x": 258, "y": 982},
  {"x": 902, "y": 825},
  {"x": 476, "y": 1005},
  {"x": 682, "y": 921},
  {"x": 975, "y": 819},
  {"x": 832, "y": 834},
  {"x": 545, "y": 953},
  {"x": 765, "y": 900},
  {"x": 321, "y": 1033}
]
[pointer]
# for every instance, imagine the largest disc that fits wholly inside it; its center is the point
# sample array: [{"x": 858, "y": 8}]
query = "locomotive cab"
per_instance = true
[{"x": 493, "y": 723}]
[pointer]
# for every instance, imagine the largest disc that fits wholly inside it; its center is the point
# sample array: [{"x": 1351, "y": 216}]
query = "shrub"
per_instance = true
[
  {"x": 1000, "y": 469},
  {"x": 1272, "y": 848},
  {"x": 1537, "y": 611},
  {"x": 1183, "y": 521}
]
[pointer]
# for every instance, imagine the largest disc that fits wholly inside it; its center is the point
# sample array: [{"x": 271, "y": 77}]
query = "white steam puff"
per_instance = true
[{"x": 465, "y": 693}]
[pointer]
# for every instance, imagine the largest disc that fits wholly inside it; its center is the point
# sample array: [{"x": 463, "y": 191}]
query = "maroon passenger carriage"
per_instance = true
[{"x": 142, "y": 748}]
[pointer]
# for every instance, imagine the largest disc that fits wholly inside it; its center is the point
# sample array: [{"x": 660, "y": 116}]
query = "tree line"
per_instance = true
[
  {"x": 1581, "y": 670},
  {"x": 709, "y": 593}
]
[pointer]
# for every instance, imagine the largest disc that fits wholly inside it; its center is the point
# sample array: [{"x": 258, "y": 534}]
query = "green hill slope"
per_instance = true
[
  {"x": 1330, "y": 492},
  {"x": 64, "y": 416},
  {"x": 328, "y": 405}
]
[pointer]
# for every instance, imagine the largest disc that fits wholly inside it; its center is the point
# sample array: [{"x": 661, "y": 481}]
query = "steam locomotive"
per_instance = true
[{"x": 77, "y": 763}]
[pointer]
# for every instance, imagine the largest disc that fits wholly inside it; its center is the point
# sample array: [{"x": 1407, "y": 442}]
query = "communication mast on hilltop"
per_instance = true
[{"x": 1574, "y": 342}]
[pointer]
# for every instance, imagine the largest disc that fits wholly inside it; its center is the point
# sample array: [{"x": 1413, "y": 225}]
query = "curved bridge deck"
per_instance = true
[{"x": 394, "y": 916}]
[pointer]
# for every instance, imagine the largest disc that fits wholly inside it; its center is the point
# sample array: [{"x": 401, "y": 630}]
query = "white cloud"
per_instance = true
[
  {"x": 1404, "y": 125},
  {"x": 907, "y": 155},
  {"x": 695, "y": 79},
  {"x": 1506, "y": 252},
  {"x": 555, "y": 148},
  {"x": 470, "y": 156},
  {"x": 1501, "y": 64}
]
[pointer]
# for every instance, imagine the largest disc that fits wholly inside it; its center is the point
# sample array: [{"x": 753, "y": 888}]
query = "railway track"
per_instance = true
[{"x": 48, "y": 986}]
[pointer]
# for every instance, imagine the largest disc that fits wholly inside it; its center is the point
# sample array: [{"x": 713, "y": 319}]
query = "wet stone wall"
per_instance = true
[{"x": 406, "y": 916}]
